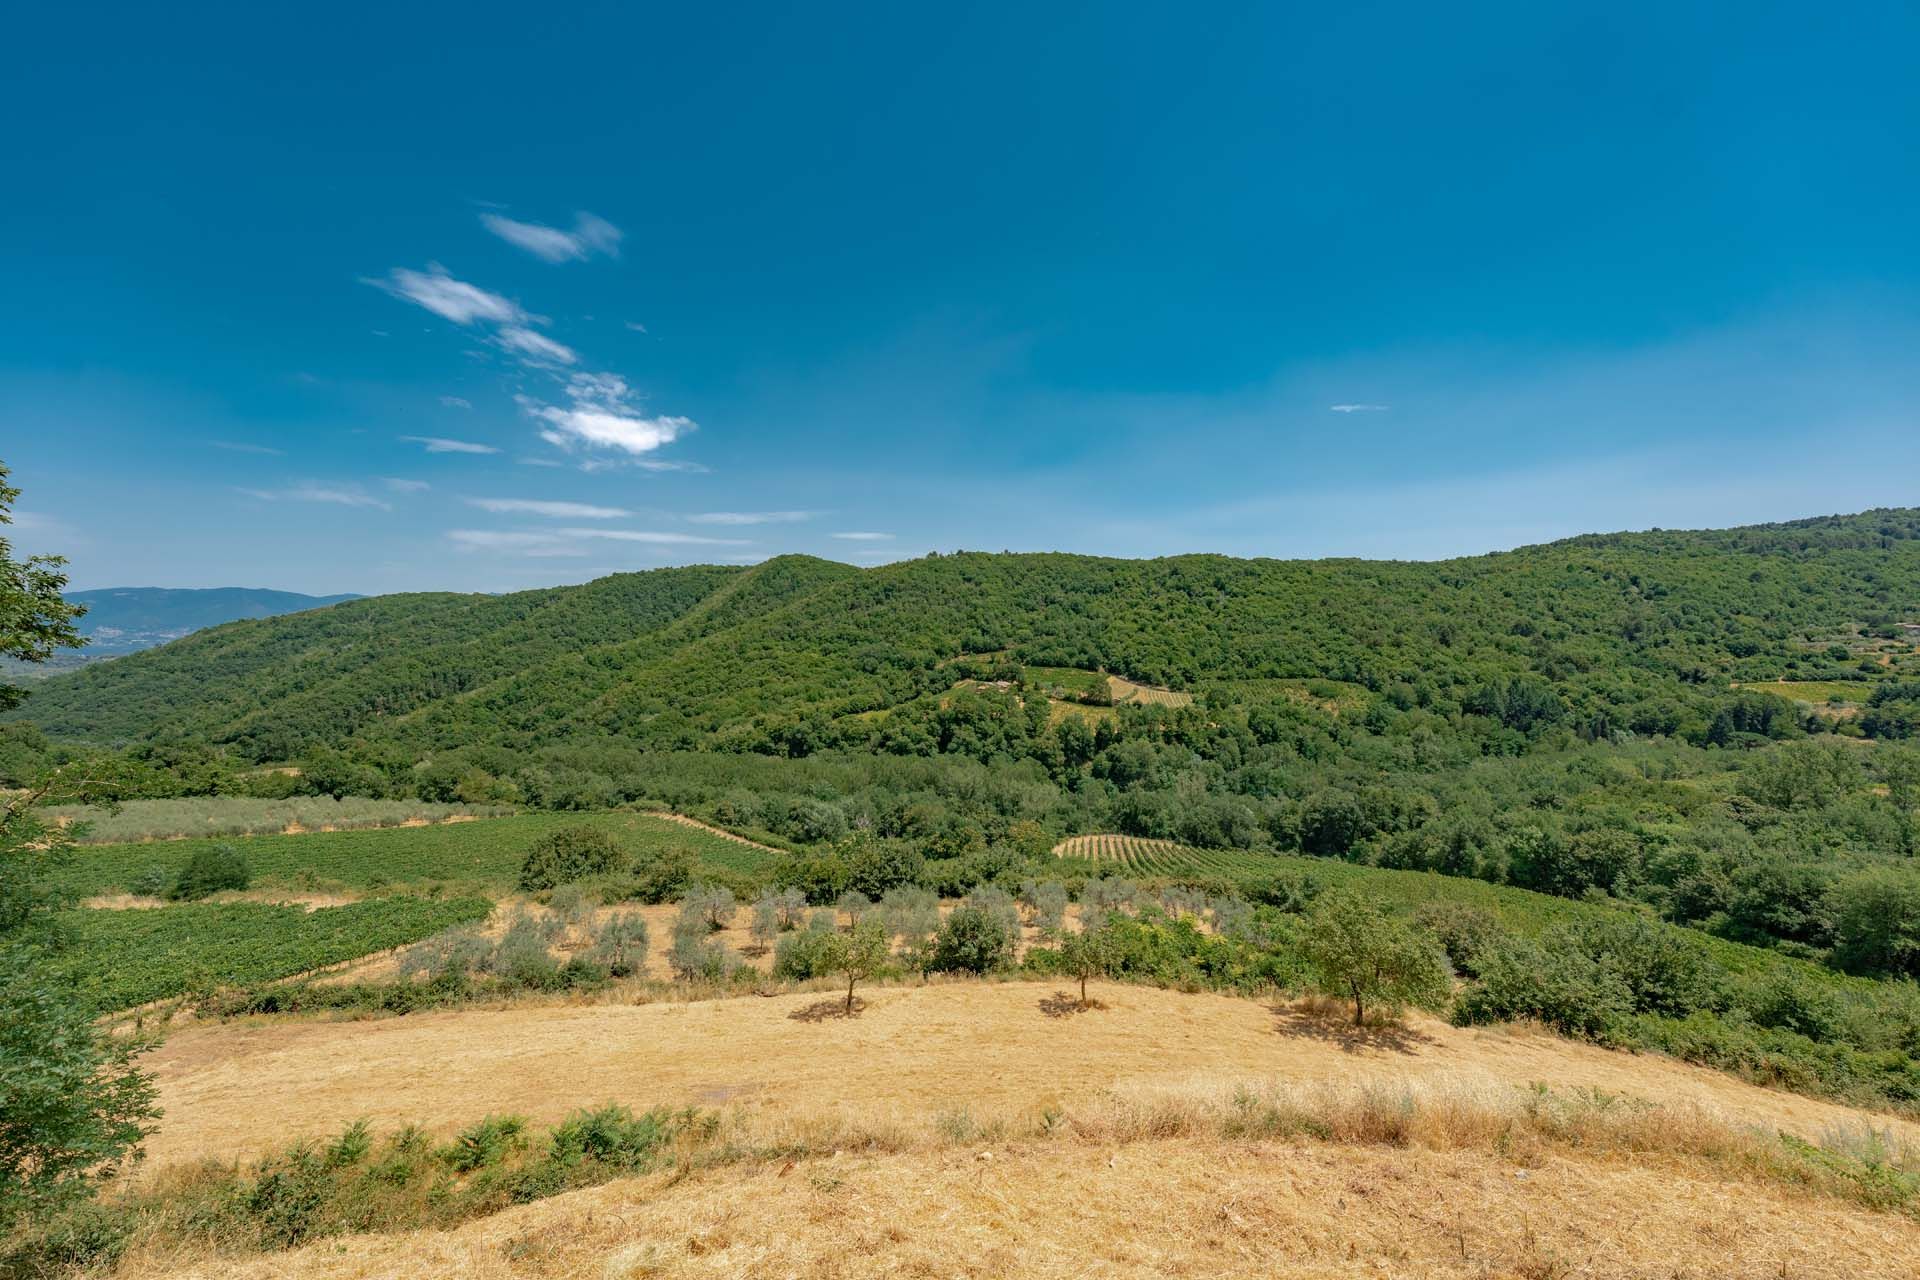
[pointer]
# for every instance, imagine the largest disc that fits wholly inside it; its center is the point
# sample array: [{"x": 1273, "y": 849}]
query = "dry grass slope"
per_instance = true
[
  {"x": 1180, "y": 1207},
  {"x": 237, "y": 1089}
]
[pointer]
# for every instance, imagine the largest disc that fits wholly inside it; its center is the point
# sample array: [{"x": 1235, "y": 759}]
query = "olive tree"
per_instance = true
[
  {"x": 858, "y": 953},
  {"x": 1091, "y": 953}
]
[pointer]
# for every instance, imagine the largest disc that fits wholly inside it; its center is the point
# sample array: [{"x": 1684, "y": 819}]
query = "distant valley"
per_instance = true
[{"x": 123, "y": 620}]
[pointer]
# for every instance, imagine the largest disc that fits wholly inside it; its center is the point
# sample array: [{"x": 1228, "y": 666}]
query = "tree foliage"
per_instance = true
[{"x": 1359, "y": 951}]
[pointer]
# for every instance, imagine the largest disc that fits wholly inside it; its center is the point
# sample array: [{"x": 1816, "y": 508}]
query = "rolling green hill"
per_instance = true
[{"x": 1641, "y": 632}]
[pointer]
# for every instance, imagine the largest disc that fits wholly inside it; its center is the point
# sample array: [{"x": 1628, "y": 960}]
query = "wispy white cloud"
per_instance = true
[
  {"x": 636, "y": 326},
  {"x": 232, "y": 446},
  {"x": 405, "y": 486},
  {"x": 601, "y": 416},
  {"x": 456, "y": 402},
  {"x": 451, "y": 299},
  {"x": 1358, "y": 408},
  {"x": 319, "y": 493},
  {"x": 556, "y": 510},
  {"x": 859, "y": 536},
  {"x": 590, "y": 235},
  {"x": 440, "y": 444},
  {"x": 536, "y": 348},
  {"x": 751, "y": 517}
]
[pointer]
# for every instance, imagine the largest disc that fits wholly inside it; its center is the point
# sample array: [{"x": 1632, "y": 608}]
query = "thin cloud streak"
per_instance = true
[
  {"x": 440, "y": 444},
  {"x": 751, "y": 517},
  {"x": 859, "y": 536},
  {"x": 318, "y": 493},
  {"x": 557, "y": 510},
  {"x": 448, "y": 298},
  {"x": 590, "y": 235},
  {"x": 656, "y": 538},
  {"x": 536, "y": 348}
]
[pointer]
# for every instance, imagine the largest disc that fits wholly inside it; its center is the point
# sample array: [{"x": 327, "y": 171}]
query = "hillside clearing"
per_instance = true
[{"x": 234, "y": 1089}]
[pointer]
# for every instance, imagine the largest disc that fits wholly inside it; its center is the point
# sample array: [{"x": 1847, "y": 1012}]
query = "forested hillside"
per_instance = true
[{"x": 1635, "y": 632}]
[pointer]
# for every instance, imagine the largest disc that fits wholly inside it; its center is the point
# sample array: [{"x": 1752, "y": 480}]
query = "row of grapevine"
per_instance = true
[
  {"x": 124, "y": 958},
  {"x": 1140, "y": 856}
]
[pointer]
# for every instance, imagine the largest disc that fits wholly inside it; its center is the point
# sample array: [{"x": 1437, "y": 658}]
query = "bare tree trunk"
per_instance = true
[{"x": 850, "y": 981}]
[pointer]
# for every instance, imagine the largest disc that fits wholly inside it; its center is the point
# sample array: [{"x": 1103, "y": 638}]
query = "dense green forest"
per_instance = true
[{"x": 1711, "y": 724}]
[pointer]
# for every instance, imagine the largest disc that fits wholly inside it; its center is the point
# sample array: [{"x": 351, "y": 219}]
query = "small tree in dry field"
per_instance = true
[
  {"x": 859, "y": 953},
  {"x": 1360, "y": 952},
  {"x": 1088, "y": 954}
]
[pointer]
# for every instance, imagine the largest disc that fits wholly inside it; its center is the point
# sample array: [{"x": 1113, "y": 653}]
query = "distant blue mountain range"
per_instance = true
[{"x": 125, "y": 619}]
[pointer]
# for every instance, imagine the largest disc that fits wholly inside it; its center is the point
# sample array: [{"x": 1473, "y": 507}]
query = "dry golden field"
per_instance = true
[{"x": 972, "y": 1129}]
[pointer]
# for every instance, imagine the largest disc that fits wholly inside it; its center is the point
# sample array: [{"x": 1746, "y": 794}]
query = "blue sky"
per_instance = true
[{"x": 480, "y": 297}]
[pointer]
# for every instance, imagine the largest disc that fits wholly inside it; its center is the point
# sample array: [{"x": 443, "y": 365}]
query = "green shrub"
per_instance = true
[
  {"x": 611, "y": 1135},
  {"x": 86, "y": 1237},
  {"x": 974, "y": 939},
  {"x": 209, "y": 871},
  {"x": 1562, "y": 987},
  {"x": 571, "y": 853},
  {"x": 804, "y": 955},
  {"x": 485, "y": 1143},
  {"x": 664, "y": 877},
  {"x": 1463, "y": 931},
  {"x": 821, "y": 877}
]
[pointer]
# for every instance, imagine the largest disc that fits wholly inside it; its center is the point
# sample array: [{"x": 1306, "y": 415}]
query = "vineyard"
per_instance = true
[
  {"x": 1141, "y": 856},
  {"x": 124, "y": 958},
  {"x": 1126, "y": 692},
  {"x": 483, "y": 856}
]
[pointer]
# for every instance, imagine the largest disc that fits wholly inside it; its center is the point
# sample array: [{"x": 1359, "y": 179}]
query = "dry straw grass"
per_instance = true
[{"x": 1218, "y": 1178}]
